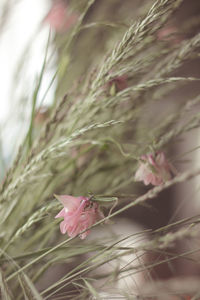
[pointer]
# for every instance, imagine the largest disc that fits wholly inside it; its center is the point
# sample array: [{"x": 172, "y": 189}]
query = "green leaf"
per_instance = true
[{"x": 104, "y": 199}]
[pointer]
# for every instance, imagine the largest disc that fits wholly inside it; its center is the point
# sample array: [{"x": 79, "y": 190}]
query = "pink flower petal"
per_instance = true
[
  {"x": 69, "y": 202},
  {"x": 63, "y": 228},
  {"x": 61, "y": 214},
  {"x": 161, "y": 159}
]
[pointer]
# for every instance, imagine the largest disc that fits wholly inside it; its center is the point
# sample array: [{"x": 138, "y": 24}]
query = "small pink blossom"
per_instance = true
[
  {"x": 169, "y": 33},
  {"x": 79, "y": 213},
  {"x": 59, "y": 17},
  {"x": 154, "y": 169},
  {"x": 118, "y": 83}
]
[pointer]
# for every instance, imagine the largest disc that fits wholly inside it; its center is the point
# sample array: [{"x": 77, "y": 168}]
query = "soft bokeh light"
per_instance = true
[{"x": 22, "y": 47}]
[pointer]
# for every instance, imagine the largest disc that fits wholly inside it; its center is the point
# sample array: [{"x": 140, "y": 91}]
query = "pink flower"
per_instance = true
[
  {"x": 59, "y": 17},
  {"x": 117, "y": 84},
  {"x": 79, "y": 213},
  {"x": 154, "y": 169},
  {"x": 170, "y": 34}
]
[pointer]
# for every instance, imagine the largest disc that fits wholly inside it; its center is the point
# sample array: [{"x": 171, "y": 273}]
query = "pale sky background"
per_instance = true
[{"x": 23, "y": 29}]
